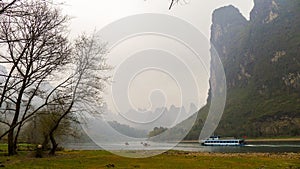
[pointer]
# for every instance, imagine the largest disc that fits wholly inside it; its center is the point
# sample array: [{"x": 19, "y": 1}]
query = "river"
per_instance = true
[{"x": 252, "y": 147}]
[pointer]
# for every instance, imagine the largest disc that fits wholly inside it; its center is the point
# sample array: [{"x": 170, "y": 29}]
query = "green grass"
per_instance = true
[
  {"x": 3, "y": 147},
  {"x": 21, "y": 147},
  {"x": 171, "y": 159}
]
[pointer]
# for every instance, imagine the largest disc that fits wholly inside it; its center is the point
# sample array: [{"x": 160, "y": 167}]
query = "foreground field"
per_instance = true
[{"x": 171, "y": 159}]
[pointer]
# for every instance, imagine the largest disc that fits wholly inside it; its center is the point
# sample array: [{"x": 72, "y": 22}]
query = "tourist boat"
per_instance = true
[{"x": 217, "y": 141}]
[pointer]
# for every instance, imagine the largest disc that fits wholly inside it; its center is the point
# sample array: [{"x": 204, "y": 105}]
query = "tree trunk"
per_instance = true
[
  {"x": 51, "y": 134},
  {"x": 54, "y": 144},
  {"x": 45, "y": 142},
  {"x": 11, "y": 145},
  {"x": 12, "y": 148},
  {"x": 16, "y": 137}
]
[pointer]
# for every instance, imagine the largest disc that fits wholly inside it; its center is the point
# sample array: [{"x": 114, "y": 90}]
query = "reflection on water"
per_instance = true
[{"x": 262, "y": 147}]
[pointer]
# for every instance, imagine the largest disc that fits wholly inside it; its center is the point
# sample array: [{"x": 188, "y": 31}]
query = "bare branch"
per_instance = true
[
  {"x": 6, "y": 6},
  {"x": 173, "y": 2}
]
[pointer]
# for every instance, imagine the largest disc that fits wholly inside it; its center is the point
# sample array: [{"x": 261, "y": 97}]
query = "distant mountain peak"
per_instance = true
[
  {"x": 224, "y": 20},
  {"x": 228, "y": 15}
]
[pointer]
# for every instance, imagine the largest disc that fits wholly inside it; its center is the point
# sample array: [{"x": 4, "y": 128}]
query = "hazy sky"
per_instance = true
[
  {"x": 145, "y": 89},
  {"x": 94, "y": 14}
]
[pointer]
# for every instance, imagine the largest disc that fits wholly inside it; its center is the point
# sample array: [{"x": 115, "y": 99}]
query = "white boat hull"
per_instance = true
[{"x": 221, "y": 142}]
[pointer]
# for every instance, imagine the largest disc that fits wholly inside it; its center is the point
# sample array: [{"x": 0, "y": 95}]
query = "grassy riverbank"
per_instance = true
[{"x": 171, "y": 159}]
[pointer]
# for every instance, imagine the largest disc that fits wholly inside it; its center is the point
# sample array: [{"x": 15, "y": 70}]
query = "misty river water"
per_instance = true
[{"x": 252, "y": 147}]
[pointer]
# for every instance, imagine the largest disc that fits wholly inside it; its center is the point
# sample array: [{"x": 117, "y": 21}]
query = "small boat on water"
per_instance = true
[{"x": 217, "y": 141}]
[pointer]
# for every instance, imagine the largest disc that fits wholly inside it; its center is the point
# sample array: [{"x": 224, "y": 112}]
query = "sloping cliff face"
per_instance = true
[
  {"x": 264, "y": 11},
  {"x": 226, "y": 32},
  {"x": 261, "y": 58}
]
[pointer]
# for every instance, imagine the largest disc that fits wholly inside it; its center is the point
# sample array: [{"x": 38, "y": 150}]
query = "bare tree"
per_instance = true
[
  {"x": 87, "y": 81},
  {"x": 35, "y": 47}
]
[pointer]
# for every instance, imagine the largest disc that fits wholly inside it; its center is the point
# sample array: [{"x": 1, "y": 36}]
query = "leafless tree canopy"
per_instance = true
[
  {"x": 86, "y": 84},
  {"x": 34, "y": 50},
  {"x": 35, "y": 46},
  {"x": 7, "y": 5}
]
